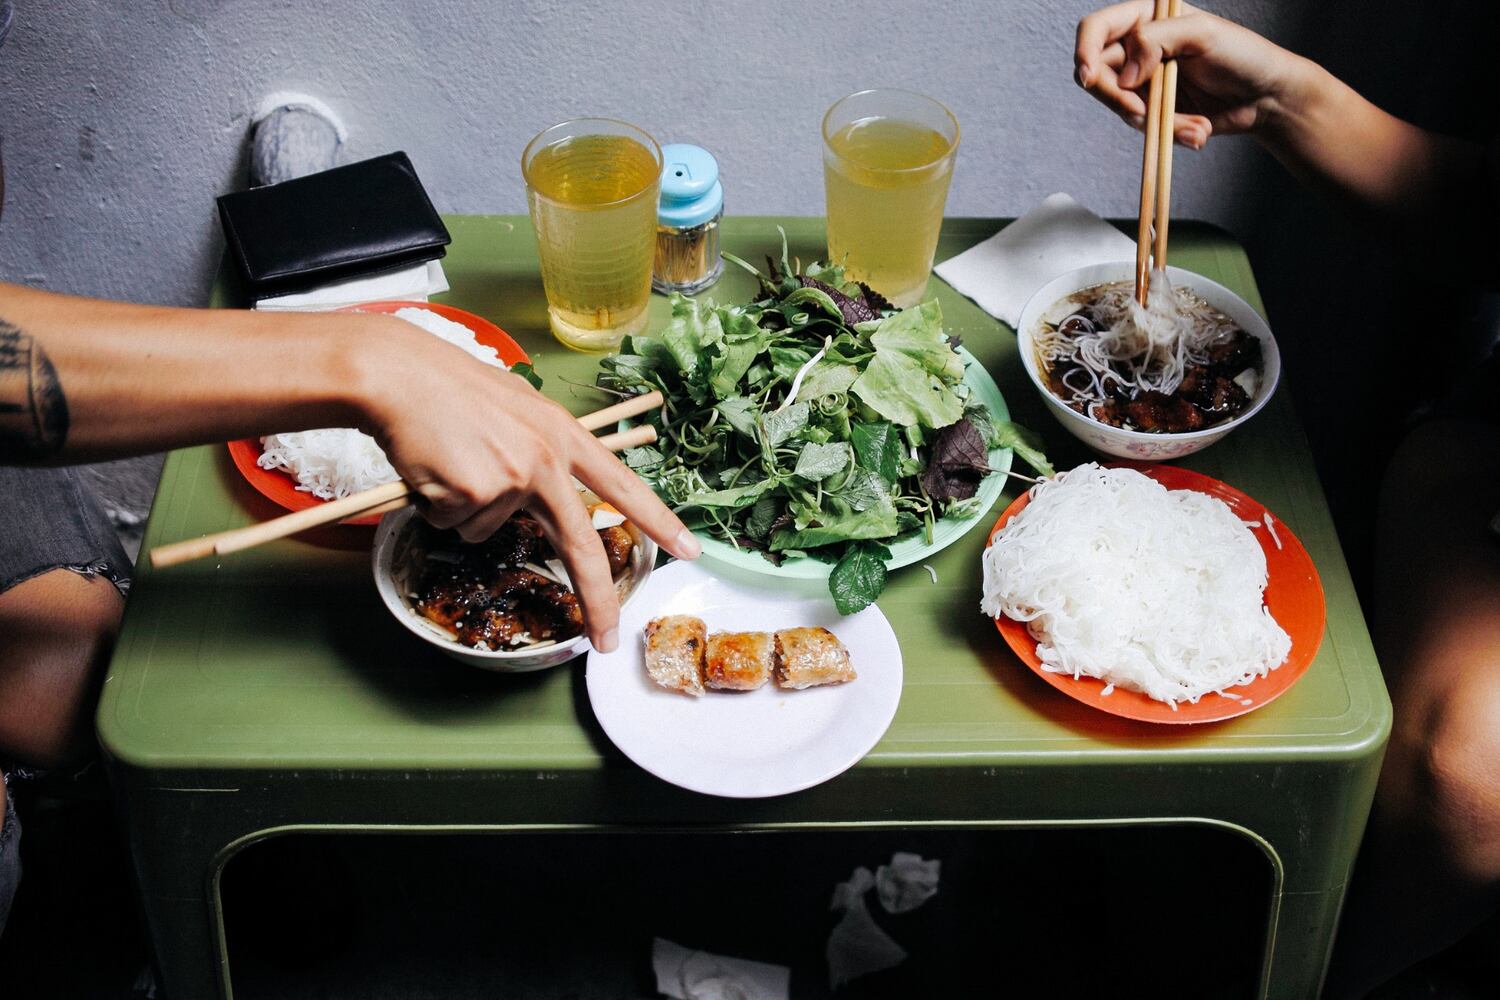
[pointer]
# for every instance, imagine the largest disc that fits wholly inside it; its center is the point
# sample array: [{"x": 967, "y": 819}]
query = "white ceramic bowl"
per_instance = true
[
  {"x": 1141, "y": 445},
  {"x": 395, "y": 532}
]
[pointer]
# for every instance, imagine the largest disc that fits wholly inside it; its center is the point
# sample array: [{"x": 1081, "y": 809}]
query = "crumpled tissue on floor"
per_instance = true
[
  {"x": 907, "y": 882},
  {"x": 857, "y": 946}
]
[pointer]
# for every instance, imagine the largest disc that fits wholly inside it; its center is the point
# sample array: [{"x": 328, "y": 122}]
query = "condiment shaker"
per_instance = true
[{"x": 687, "y": 231}]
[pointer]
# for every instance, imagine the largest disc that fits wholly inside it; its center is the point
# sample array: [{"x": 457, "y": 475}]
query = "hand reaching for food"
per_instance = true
[
  {"x": 479, "y": 445},
  {"x": 1230, "y": 79}
]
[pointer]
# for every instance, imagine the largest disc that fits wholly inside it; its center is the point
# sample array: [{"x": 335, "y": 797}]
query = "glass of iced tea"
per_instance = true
[
  {"x": 592, "y": 185},
  {"x": 887, "y": 159}
]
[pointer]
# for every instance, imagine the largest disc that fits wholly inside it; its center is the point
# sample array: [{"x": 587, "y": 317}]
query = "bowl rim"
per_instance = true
[
  {"x": 1256, "y": 326},
  {"x": 382, "y": 553}
]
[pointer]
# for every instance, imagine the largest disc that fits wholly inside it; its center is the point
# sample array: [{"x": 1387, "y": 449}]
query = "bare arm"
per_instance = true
[
  {"x": 1232, "y": 80},
  {"x": 83, "y": 379}
]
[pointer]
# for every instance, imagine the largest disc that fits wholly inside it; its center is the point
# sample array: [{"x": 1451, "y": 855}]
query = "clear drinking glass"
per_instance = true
[
  {"x": 887, "y": 159},
  {"x": 592, "y": 185}
]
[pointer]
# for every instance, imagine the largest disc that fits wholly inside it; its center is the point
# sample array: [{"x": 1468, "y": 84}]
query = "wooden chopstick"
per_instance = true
[
  {"x": 1149, "y": 159},
  {"x": 632, "y": 407},
  {"x": 382, "y": 499},
  {"x": 1165, "y": 143}
]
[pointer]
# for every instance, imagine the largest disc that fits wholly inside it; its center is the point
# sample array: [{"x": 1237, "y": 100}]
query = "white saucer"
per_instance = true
[{"x": 753, "y": 744}]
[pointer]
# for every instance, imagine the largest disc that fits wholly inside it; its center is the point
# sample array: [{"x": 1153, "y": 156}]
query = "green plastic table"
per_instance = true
[{"x": 269, "y": 692}]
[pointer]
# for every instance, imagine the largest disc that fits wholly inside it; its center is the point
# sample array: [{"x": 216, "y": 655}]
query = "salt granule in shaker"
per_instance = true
[{"x": 687, "y": 223}]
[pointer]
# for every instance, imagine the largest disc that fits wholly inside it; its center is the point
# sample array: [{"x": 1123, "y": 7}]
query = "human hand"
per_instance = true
[
  {"x": 1229, "y": 79},
  {"x": 480, "y": 444}
]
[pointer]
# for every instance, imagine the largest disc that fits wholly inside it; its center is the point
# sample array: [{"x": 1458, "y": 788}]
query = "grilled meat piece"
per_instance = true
[
  {"x": 1232, "y": 356},
  {"x": 617, "y": 548},
  {"x": 510, "y": 607},
  {"x": 1156, "y": 411}
]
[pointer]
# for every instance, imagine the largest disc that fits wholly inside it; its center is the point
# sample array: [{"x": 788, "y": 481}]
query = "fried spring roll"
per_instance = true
[
  {"x": 738, "y": 661},
  {"x": 674, "y": 652},
  {"x": 808, "y": 657}
]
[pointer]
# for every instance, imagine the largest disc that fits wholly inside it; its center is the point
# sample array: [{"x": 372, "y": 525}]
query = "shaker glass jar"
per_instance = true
[{"x": 687, "y": 231}]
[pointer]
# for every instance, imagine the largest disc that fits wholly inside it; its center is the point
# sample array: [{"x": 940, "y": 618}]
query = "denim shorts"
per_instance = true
[{"x": 50, "y": 519}]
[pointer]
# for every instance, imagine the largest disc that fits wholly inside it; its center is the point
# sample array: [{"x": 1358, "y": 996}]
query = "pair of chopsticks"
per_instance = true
[
  {"x": 1156, "y": 164},
  {"x": 386, "y": 498}
]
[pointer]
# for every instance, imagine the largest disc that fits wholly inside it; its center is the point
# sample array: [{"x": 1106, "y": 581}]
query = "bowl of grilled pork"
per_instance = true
[{"x": 505, "y": 604}]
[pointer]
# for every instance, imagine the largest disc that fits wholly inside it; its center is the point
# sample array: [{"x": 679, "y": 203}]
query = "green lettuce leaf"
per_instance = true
[
  {"x": 688, "y": 334},
  {"x": 876, "y": 522},
  {"x": 738, "y": 496},
  {"x": 913, "y": 378},
  {"x": 900, "y": 389},
  {"x": 1026, "y": 444},
  {"x": 826, "y": 378}
]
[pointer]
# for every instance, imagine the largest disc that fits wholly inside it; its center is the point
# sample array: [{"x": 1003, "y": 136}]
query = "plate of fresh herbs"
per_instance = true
[{"x": 818, "y": 431}]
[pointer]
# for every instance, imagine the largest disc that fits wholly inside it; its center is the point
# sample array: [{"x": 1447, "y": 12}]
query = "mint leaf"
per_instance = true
[
  {"x": 641, "y": 459},
  {"x": 819, "y": 461},
  {"x": 786, "y": 362},
  {"x": 762, "y": 517},
  {"x": 864, "y": 490},
  {"x": 739, "y": 413},
  {"x": 857, "y": 579},
  {"x": 878, "y": 449},
  {"x": 779, "y": 425}
]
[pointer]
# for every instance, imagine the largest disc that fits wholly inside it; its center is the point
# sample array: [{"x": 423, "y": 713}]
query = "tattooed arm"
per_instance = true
[
  {"x": 83, "y": 379},
  {"x": 33, "y": 410}
]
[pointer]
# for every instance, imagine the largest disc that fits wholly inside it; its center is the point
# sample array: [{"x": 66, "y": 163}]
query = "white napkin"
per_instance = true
[
  {"x": 907, "y": 882},
  {"x": 1057, "y": 236},
  {"x": 685, "y": 974},
  {"x": 410, "y": 284},
  {"x": 858, "y": 946}
]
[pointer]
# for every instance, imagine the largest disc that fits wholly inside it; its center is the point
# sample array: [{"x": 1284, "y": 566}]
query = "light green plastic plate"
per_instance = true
[{"x": 914, "y": 549}]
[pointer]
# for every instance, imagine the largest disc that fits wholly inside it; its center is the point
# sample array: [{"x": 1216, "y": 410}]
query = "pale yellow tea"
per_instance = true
[
  {"x": 887, "y": 181},
  {"x": 593, "y": 204}
]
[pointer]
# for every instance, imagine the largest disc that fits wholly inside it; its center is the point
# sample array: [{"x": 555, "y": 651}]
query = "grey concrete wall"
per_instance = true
[{"x": 123, "y": 119}]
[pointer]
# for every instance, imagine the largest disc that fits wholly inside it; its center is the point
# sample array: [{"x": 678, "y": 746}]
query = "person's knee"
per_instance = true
[
  {"x": 1459, "y": 771},
  {"x": 59, "y": 629}
]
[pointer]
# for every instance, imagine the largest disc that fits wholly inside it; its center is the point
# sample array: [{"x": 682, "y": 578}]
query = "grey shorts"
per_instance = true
[{"x": 50, "y": 519}]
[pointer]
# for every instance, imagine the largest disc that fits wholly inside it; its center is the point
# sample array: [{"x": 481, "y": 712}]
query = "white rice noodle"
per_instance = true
[
  {"x": 338, "y": 461},
  {"x": 1148, "y": 589},
  {"x": 1153, "y": 344},
  {"x": 1271, "y": 527}
]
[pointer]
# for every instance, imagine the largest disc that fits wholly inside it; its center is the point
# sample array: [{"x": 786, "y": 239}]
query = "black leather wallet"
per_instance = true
[{"x": 346, "y": 222}]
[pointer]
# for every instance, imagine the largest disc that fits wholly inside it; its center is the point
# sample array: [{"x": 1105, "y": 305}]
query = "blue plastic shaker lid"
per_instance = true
[{"x": 690, "y": 190}]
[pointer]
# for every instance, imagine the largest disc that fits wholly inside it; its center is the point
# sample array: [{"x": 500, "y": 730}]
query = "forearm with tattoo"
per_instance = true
[{"x": 33, "y": 409}]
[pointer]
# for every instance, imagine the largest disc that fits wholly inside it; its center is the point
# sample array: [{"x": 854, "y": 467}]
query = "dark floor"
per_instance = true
[{"x": 1077, "y": 913}]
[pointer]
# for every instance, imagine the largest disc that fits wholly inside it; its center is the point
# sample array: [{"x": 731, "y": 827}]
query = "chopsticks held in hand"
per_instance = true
[
  {"x": 1156, "y": 165},
  {"x": 386, "y": 498}
]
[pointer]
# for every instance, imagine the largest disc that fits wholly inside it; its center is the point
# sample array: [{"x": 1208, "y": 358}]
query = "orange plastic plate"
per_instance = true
[
  {"x": 277, "y": 486},
  {"x": 1294, "y": 595}
]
